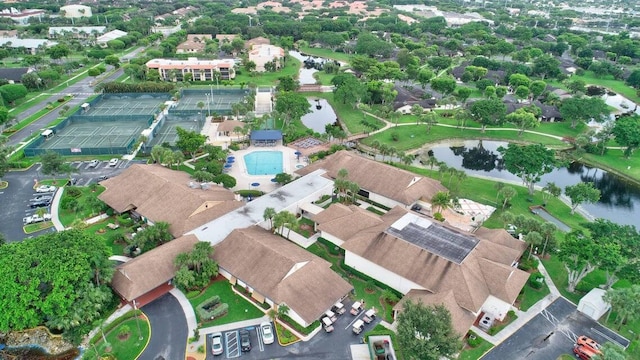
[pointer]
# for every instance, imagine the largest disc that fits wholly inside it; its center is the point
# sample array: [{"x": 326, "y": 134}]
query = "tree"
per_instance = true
[
  {"x": 226, "y": 180},
  {"x": 250, "y": 66},
  {"x": 581, "y": 193},
  {"x": 463, "y": 93},
  {"x": 516, "y": 80},
  {"x": 634, "y": 79},
  {"x": 283, "y": 178},
  {"x": 550, "y": 190},
  {"x": 31, "y": 272},
  {"x": 4, "y": 115},
  {"x": 488, "y": 112},
  {"x": 507, "y": 194},
  {"x": 627, "y": 133},
  {"x": 349, "y": 89},
  {"x": 426, "y": 332},
  {"x": 58, "y": 51},
  {"x": 13, "y": 92},
  {"x": 284, "y": 219},
  {"x": 429, "y": 119},
  {"x": 626, "y": 303},
  {"x": 287, "y": 83},
  {"x": 610, "y": 351},
  {"x": 440, "y": 201},
  {"x": 529, "y": 162},
  {"x": 268, "y": 214},
  {"x": 114, "y": 61},
  {"x": 189, "y": 141},
  {"x": 523, "y": 120},
  {"x": 445, "y": 85},
  {"x": 577, "y": 86},
  {"x": 196, "y": 268},
  {"x": 577, "y": 252},
  {"x": 522, "y": 92},
  {"x": 52, "y": 163},
  {"x": 546, "y": 65},
  {"x": 292, "y": 105},
  {"x": 424, "y": 76},
  {"x": 583, "y": 109}
]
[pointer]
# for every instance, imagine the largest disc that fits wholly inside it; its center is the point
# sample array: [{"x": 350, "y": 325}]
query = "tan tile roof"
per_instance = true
[
  {"x": 461, "y": 319},
  {"x": 479, "y": 275},
  {"x": 151, "y": 269},
  {"x": 393, "y": 183},
  {"x": 281, "y": 271},
  {"x": 256, "y": 41},
  {"x": 228, "y": 37},
  {"x": 344, "y": 222},
  {"x": 161, "y": 194}
]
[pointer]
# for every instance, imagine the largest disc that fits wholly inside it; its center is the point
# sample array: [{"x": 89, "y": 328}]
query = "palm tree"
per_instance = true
[
  {"x": 507, "y": 193},
  {"x": 268, "y": 214},
  {"x": 533, "y": 238},
  {"x": 443, "y": 168},
  {"x": 177, "y": 158},
  {"x": 548, "y": 231},
  {"x": 440, "y": 201},
  {"x": 429, "y": 119}
]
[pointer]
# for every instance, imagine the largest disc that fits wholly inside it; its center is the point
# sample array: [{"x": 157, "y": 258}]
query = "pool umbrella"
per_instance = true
[
  {"x": 227, "y": 165},
  {"x": 230, "y": 161},
  {"x": 231, "y": 157},
  {"x": 273, "y": 180},
  {"x": 298, "y": 153},
  {"x": 255, "y": 184}
]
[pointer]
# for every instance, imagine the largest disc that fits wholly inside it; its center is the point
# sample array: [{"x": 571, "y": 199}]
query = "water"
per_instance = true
[
  {"x": 317, "y": 119},
  {"x": 305, "y": 76},
  {"x": 36, "y": 353},
  {"x": 264, "y": 162},
  {"x": 619, "y": 202}
]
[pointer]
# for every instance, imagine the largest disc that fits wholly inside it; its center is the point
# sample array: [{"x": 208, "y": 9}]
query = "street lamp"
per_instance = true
[{"x": 135, "y": 307}]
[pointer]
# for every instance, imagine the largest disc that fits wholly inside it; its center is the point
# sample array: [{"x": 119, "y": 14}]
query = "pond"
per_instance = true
[
  {"x": 317, "y": 119},
  {"x": 619, "y": 202},
  {"x": 305, "y": 75}
]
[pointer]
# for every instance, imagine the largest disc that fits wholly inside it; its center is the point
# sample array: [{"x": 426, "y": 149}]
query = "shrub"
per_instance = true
[
  {"x": 438, "y": 216},
  {"x": 61, "y": 100},
  {"x": 298, "y": 327},
  {"x": 473, "y": 340},
  {"x": 536, "y": 280},
  {"x": 124, "y": 331},
  {"x": 220, "y": 311},
  {"x": 73, "y": 191},
  {"x": 207, "y": 308},
  {"x": 370, "y": 285},
  {"x": 528, "y": 264},
  {"x": 395, "y": 136}
]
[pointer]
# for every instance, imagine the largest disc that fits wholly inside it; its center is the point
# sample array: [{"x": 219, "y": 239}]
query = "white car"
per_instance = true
[
  {"x": 113, "y": 162},
  {"x": 267, "y": 333},
  {"x": 93, "y": 163},
  {"x": 35, "y": 218},
  {"x": 216, "y": 344},
  {"x": 45, "y": 188}
]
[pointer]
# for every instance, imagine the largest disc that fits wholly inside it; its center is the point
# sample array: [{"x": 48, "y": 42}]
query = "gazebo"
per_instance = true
[{"x": 266, "y": 137}]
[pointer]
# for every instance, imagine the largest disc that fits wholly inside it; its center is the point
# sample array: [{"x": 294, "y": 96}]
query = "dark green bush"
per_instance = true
[
  {"x": 473, "y": 340},
  {"x": 536, "y": 280},
  {"x": 528, "y": 263}
]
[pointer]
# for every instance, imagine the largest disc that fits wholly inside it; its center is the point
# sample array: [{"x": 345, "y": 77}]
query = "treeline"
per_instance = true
[{"x": 142, "y": 87}]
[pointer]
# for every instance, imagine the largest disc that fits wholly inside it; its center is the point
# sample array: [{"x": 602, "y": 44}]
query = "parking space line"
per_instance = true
[
  {"x": 259, "y": 333},
  {"x": 354, "y": 320},
  {"x": 233, "y": 347}
]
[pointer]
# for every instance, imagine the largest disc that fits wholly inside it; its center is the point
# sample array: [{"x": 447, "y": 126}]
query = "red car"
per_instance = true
[
  {"x": 583, "y": 340},
  {"x": 584, "y": 352}
]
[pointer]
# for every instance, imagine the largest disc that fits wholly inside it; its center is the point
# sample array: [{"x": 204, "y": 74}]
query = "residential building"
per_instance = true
[
  {"x": 14, "y": 75},
  {"x": 226, "y": 37},
  {"x": 249, "y": 44},
  {"x": 277, "y": 271},
  {"x": 470, "y": 274},
  {"x": 22, "y": 17},
  {"x": 155, "y": 193},
  {"x": 103, "y": 39},
  {"x": 166, "y": 30},
  {"x": 201, "y": 70},
  {"x": 8, "y": 33},
  {"x": 263, "y": 54},
  {"x": 75, "y": 32},
  {"x": 75, "y": 11},
  {"x": 148, "y": 276},
  {"x": 195, "y": 43},
  {"x": 31, "y": 46},
  {"x": 390, "y": 186}
]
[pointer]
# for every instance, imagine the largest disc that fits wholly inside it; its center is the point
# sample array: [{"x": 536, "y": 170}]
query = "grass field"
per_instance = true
[
  {"x": 85, "y": 205},
  {"x": 239, "y": 308},
  {"x": 269, "y": 78},
  {"x": 352, "y": 118},
  {"x": 128, "y": 347},
  {"x": 476, "y": 352},
  {"x": 325, "y": 53}
]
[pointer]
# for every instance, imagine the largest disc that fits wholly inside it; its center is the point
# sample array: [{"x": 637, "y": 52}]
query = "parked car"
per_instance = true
[
  {"x": 45, "y": 188},
  {"x": 40, "y": 203},
  {"x": 73, "y": 181},
  {"x": 93, "y": 163},
  {"x": 41, "y": 198},
  {"x": 583, "y": 340},
  {"x": 35, "y": 218},
  {"x": 113, "y": 162},
  {"x": 103, "y": 177},
  {"x": 267, "y": 333},
  {"x": 216, "y": 344},
  {"x": 584, "y": 352},
  {"x": 245, "y": 340}
]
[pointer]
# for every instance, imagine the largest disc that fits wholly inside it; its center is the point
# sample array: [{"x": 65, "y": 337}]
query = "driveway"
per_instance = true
[
  {"x": 168, "y": 330},
  {"x": 15, "y": 198},
  {"x": 551, "y": 334}
]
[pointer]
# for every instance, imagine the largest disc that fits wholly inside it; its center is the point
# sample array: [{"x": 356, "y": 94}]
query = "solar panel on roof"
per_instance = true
[{"x": 439, "y": 240}]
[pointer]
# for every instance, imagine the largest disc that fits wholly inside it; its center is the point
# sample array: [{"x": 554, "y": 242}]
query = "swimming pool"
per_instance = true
[{"x": 264, "y": 162}]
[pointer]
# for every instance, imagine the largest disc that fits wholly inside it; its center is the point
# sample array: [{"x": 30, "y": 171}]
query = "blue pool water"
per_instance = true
[{"x": 264, "y": 162}]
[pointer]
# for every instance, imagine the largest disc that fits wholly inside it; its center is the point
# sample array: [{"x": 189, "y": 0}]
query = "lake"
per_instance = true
[
  {"x": 317, "y": 119},
  {"x": 619, "y": 202}
]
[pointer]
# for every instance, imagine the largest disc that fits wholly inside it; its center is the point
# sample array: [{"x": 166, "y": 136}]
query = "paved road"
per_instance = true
[
  {"x": 168, "y": 330},
  {"x": 81, "y": 90}
]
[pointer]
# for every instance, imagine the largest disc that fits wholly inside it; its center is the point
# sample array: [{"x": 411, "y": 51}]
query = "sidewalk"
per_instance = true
[
  {"x": 55, "y": 204},
  {"x": 189, "y": 314},
  {"x": 523, "y": 316}
]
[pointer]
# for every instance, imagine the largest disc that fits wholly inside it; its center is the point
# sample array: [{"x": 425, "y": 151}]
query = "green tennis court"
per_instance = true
[{"x": 92, "y": 134}]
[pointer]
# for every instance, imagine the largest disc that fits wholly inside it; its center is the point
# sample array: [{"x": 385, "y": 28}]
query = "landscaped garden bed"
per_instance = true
[
  {"x": 238, "y": 308},
  {"x": 285, "y": 337},
  {"x": 124, "y": 340}
]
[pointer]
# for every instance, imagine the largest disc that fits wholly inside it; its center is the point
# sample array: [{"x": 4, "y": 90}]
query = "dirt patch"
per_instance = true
[
  {"x": 306, "y": 227},
  {"x": 124, "y": 337}
]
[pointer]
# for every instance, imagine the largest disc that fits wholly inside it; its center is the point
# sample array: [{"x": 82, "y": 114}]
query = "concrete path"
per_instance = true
[
  {"x": 231, "y": 326},
  {"x": 55, "y": 204},
  {"x": 189, "y": 314}
]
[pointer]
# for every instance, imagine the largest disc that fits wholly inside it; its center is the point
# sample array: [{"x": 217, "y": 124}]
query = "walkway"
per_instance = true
[
  {"x": 55, "y": 205},
  {"x": 523, "y": 316}
]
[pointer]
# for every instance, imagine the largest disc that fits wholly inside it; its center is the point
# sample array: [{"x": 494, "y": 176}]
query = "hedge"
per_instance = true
[
  {"x": 115, "y": 323},
  {"x": 333, "y": 248},
  {"x": 534, "y": 280},
  {"x": 298, "y": 327},
  {"x": 367, "y": 278},
  {"x": 214, "y": 306}
]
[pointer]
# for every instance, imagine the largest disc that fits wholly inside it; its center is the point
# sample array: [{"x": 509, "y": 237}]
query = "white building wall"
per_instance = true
[
  {"x": 379, "y": 273},
  {"x": 333, "y": 239},
  {"x": 293, "y": 315},
  {"x": 384, "y": 201},
  {"x": 496, "y": 307}
]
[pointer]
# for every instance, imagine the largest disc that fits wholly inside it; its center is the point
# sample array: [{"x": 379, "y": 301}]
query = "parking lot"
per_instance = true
[
  {"x": 15, "y": 199},
  {"x": 323, "y": 346},
  {"x": 552, "y": 333}
]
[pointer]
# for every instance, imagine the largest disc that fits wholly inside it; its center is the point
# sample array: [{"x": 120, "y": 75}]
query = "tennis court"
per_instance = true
[
  {"x": 91, "y": 134},
  {"x": 167, "y": 132},
  {"x": 220, "y": 102},
  {"x": 124, "y": 105}
]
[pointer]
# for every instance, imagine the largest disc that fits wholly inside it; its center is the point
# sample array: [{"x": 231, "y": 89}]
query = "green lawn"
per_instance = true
[
  {"x": 83, "y": 210},
  {"x": 31, "y": 228},
  {"x": 530, "y": 296},
  {"x": 325, "y": 53},
  {"x": 324, "y": 78},
  {"x": 239, "y": 308},
  {"x": 22, "y": 124},
  {"x": 381, "y": 330},
  {"x": 269, "y": 78},
  {"x": 114, "y": 238},
  {"x": 475, "y": 353},
  {"x": 614, "y": 161},
  {"x": 125, "y": 348},
  {"x": 617, "y": 86}
]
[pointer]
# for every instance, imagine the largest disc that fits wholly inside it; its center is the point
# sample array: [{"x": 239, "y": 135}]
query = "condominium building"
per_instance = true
[{"x": 201, "y": 70}]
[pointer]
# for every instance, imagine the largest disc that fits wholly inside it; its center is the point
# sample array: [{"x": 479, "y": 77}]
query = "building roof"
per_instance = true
[
  {"x": 230, "y": 125},
  {"x": 256, "y": 41},
  {"x": 13, "y": 74},
  {"x": 76, "y": 29},
  {"x": 281, "y": 271},
  {"x": 26, "y": 43},
  {"x": 227, "y": 37},
  {"x": 194, "y": 42},
  {"x": 485, "y": 269},
  {"x": 111, "y": 35},
  {"x": 266, "y": 51},
  {"x": 266, "y": 135},
  {"x": 252, "y": 213},
  {"x": 344, "y": 221},
  {"x": 151, "y": 269},
  {"x": 190, "y": 62},
  {"x": 461, "y": 319},
  {"x": 393, "y": 183},
  {"x": 161, "y": 194}
]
